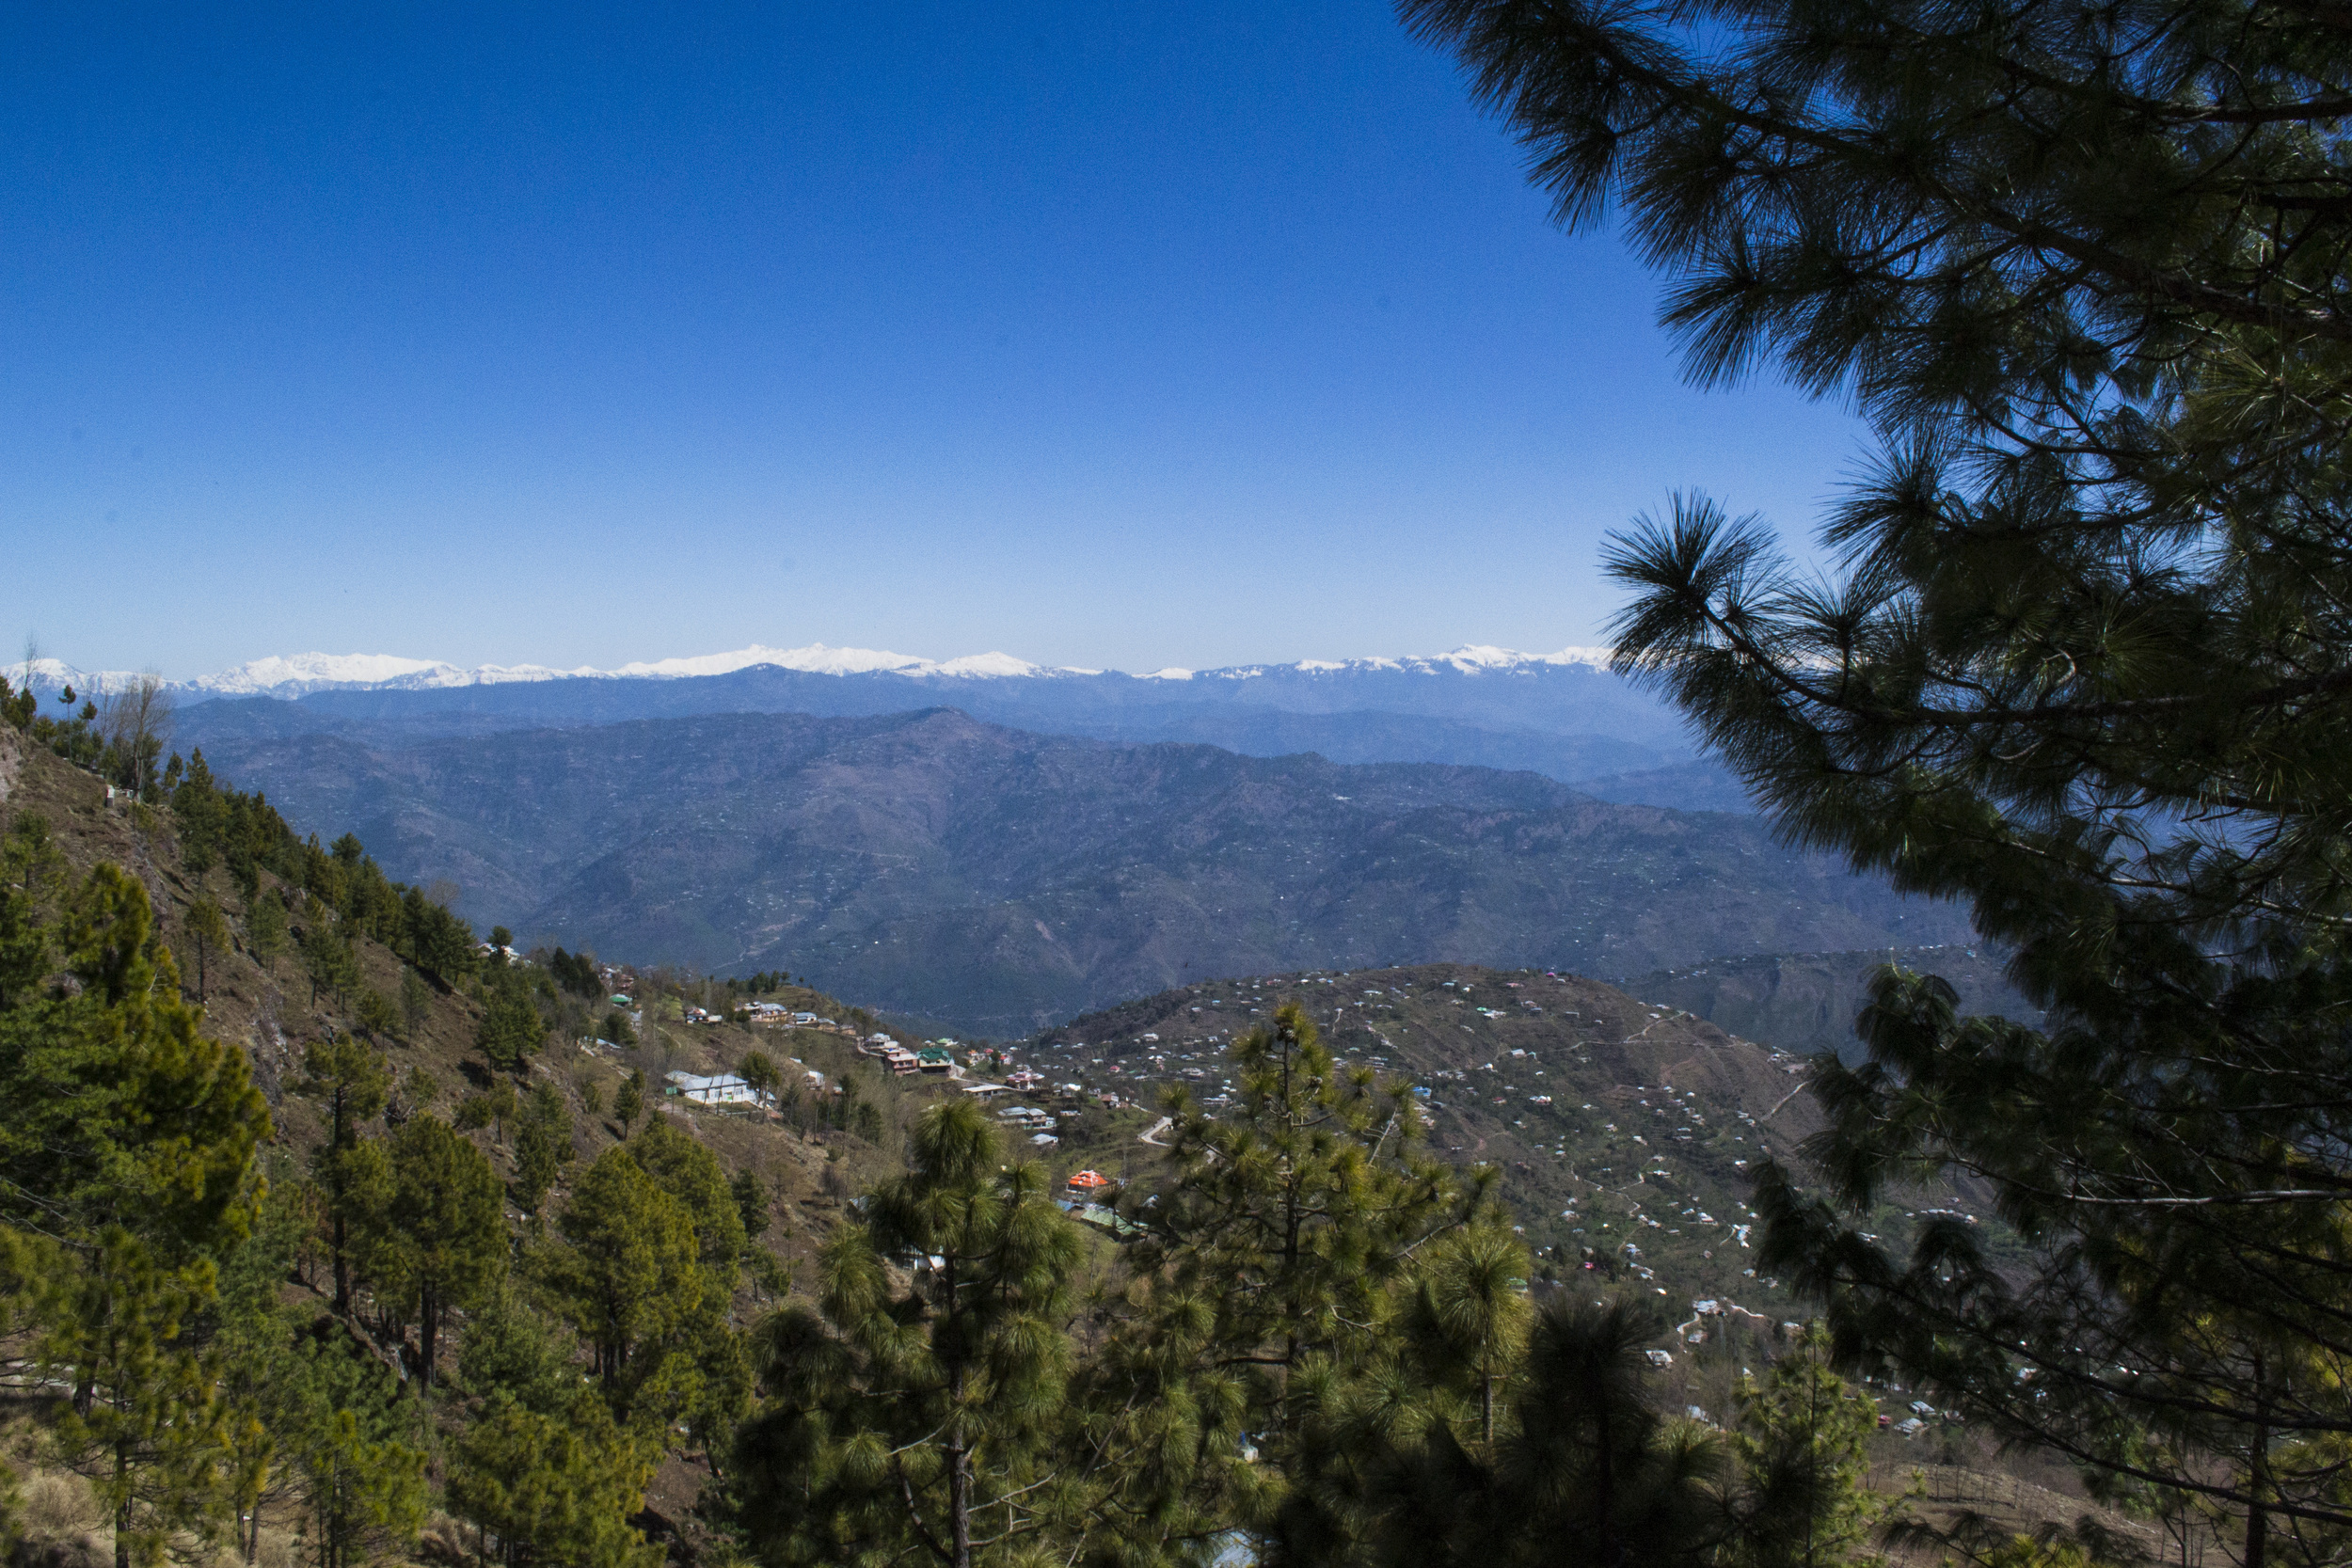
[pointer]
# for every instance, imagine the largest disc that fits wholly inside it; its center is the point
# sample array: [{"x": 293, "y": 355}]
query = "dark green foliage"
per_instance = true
[
  {"x": 576, "y": 972},
  {"x": 1800, "y": 1451},
  {"x": 2087, "y": 666},
  {"x": 1293, "y": 1216},
  {"x": 511, "y": 1027},
  {"x": 265, "y": 929},
  {"x": 543, "y": 1146},
  {"x": 686, "y": 1170},
  {"x": 493, "y": 1108},
  {"x": 208, "y": 936},
  {"x": 376, "y": 1017},
  {"x": 351, "y": 1081},
  {"x": 119, "y": 1111},
  {"x": 559, "y": 1487},
  {"x": 628, "y": 1100},
  {"x": 127, "y": 1143},
  {"x": 329, "y": 961},
  {"x": 512, "y": 1355},
  {"x": 628, "y": 1280},
  {"x": 443, "y": 1242},
  {"x": 145, "y": 1424},
  {"x": 759, "y": 1074},
  {"x": 321, "y": 1417},
  {"x": 416, "y": 1002},
  {"x": 1584, "y": 1471},
  {"x": 921, "y": 1422},
  {"x": 752, "y": 1202},
  {"x": 435, "y": 939}
]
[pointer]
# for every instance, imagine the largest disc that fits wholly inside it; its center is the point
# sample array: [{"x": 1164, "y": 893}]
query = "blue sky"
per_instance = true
[{"x": 1109, "y": 335}]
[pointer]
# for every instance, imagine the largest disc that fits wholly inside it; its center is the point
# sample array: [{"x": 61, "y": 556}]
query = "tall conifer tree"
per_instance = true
[{"x": 2087, "y": 666}]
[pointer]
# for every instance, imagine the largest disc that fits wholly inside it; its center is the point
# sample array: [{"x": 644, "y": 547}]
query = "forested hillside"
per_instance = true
[
  {"x": 1622, "y": 1134},
  {"x": 334, "y": 1234}
]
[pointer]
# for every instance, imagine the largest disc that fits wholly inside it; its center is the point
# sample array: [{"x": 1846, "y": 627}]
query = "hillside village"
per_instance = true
[{"x": 1621, "y": 1130}]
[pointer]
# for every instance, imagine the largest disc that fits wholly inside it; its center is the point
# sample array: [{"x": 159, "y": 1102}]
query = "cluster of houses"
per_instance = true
[
  {"x": 937, "y": 1058},
  {"x": 776, "y": 1015}
]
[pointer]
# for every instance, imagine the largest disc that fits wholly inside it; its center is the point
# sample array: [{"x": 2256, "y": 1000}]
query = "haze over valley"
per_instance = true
[{"x": 996, "y": 847}]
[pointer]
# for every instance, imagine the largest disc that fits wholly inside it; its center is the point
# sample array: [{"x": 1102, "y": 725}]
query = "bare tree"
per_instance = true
[{"x": 137, "y": 722}]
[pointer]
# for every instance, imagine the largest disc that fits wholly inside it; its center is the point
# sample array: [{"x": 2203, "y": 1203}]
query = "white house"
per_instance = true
[{"x": 723, "y": 1088}]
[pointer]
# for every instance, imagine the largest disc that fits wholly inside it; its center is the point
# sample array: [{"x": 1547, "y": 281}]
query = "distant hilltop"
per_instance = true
[{"x": 300, "y": 675}]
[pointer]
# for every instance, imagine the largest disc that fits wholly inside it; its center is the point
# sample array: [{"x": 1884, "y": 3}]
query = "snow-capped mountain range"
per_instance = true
[{"x": 300, "y": 675}]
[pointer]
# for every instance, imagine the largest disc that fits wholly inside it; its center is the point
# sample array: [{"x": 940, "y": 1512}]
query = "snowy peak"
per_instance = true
[{"x": 297, "y": 674}]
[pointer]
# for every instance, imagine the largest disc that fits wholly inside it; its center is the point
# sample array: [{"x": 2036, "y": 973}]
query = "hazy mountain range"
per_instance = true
[
  {"x": 999, "y": 879},
  {"x": 995, "y": 844},
  {"x": 1562, "y": 715}
]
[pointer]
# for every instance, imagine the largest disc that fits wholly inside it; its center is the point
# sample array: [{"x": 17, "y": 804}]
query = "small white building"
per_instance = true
[{"x": 721, "y": 1088}]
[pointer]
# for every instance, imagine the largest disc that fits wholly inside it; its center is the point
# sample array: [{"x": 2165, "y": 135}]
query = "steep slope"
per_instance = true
[
  {"x": 997, "y": 879},
  {"x": 1611, "y": 1121},
  {"x": 272, "y": 1012}
]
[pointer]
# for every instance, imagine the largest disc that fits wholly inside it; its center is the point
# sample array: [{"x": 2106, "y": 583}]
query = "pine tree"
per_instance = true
[
  {"x": 628, "y": 1100},
  {"x": 2086, "y": 664},
  {"x": 445, "y": 1230},
  {"x": 759, "y": 1075},
  {"x": 1293, "y": 1215},
  {"x": 628, "y": 1277},
  {"x": 265, "y": 929},
  {"x": 557, "y": 1488},
  {"x": 752, "y": 1202},
  {"x": 322, "y": 1421},
  {"x": 351, "y": 1081},
  {"x": 120, "y": 1111},
  {"x": 1469, "y": 1308},
  {"x": 1799, "y": 1447},
  {"x": 543, "y": 1146},
  {"x": 511, "y": 1028},
  {"x": 921, "y": 1424},
  {"x": 687, "y": 1169},
  {"x": 208, "y": 934},
  {"x": 144, "y": 1424},
  {"x": 416, "y": 1002},
  {"x": 1586, "y": 1471}
]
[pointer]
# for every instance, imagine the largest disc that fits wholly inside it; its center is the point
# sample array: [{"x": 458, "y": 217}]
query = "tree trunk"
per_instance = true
[
  {"x": 2258, "y": 1477},
  {"x": 428, "y": 1333},
  {"x": 958, "y": 1501},
  {"x": 343, "y": 1264},
  {"x": 122, "y": 1508}
]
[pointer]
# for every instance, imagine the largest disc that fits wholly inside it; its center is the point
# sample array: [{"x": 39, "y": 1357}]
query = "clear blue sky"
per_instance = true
[{"x": 1113, "y": 335}]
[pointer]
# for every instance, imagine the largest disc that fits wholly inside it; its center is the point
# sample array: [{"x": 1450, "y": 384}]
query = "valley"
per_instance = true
[{"x": 993, "y": 881}]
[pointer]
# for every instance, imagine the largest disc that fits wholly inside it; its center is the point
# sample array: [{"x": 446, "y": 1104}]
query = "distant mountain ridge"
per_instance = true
[
  {"x": 300, "y": 675},
  {"x": 999, "y": 879},
  {"x": 1564, "y": 715}
]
